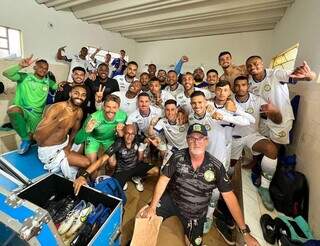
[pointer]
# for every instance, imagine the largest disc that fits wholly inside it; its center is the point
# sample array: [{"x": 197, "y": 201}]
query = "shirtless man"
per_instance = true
[
  {"x": 52, "y": 135},
  {"x": 230, "y": 71}
]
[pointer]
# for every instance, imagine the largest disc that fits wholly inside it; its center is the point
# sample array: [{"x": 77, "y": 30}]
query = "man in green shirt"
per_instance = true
[
  {"x": 29, "y": 101},
  {"x": 101, "y": 127}
]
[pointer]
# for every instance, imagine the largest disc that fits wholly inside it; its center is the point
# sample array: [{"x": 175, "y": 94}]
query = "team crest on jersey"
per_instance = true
[
  {"x": 198, "y": 240},
  {"x": 182, "y": 129},
  {"x": 209, "y": 175},
  {"x": 281, "y": 134},
  {"x": 208, "y": 127},
  {"x": 267, "y": 87},
  {"x": 249, "y": 110}
]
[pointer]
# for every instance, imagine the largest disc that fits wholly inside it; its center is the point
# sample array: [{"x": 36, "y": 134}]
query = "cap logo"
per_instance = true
[{"x": 197, "y": 128}]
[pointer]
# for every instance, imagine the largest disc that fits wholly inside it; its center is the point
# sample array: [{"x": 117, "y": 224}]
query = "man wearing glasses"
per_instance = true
[{"x": 193, "y": 174}]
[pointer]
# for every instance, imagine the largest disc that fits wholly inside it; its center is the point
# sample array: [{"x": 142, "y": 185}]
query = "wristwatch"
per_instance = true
[
  {"x": 85, "y": 174},
  {"x": 244, "y": 231}
]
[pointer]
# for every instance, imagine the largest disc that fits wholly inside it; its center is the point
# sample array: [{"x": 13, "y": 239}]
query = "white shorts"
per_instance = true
[
  {"x": 239, "y": 143},
  {"x": 55, "y": 160},
  {"x": 277, "y": 133}
]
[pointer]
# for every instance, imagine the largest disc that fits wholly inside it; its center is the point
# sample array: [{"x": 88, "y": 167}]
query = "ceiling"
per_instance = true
[{"x": 152, "y": 20}]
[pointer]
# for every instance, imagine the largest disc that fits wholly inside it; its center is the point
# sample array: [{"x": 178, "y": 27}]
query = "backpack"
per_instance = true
[
  {"x": 110, "y": 186},
  {"x": 289, "y": 189}
]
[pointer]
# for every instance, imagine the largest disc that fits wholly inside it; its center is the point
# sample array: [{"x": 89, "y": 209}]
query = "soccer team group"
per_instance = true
[{"x": 105, "y": 119}]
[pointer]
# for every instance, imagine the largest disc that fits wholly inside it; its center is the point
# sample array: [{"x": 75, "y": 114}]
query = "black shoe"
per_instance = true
[
  {"x": 285, "y": 241},
  {"x": 67, "y": 205},
  {"x": 222, "y": 212},
  {"x": 83, "y": 237},
  {"x": 268, "y": 227},
  {"x": 281, "y": 229},
  {"x": 225, "y": 232}
]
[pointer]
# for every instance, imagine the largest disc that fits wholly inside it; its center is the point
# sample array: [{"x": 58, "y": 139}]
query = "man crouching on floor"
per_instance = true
[
  {"x": 129, "y": 154},
  {"x": 53, "y": 139}
]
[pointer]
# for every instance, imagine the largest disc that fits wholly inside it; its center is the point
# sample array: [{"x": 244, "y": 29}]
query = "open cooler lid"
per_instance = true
[
  {"x": 8, "y": 182},
  {"x": 27, "y": 167}
]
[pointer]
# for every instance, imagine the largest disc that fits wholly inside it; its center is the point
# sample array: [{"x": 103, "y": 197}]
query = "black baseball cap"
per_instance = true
[{"x": 197, "y": 128}]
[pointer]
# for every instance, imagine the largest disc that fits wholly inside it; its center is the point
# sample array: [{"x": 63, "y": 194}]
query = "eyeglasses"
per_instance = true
[{"x": 196, "y": 140}]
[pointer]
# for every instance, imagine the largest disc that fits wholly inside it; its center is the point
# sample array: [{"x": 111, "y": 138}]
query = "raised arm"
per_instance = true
[
  {"x": 62, "y": 57},
  {"x": 94, "y": 54},
  {"x": 13, "y": 74}
]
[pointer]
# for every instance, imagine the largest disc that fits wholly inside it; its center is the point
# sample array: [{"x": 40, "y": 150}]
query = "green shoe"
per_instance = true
[{"x": 265, "y": 197}]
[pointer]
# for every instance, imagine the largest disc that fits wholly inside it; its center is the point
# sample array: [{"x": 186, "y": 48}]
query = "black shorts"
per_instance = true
[{"x": 193, "y": 228}]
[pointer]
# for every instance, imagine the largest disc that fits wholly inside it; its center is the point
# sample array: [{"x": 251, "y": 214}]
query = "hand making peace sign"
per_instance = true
[
  {"x": 26, "y": 62},
  {"x": 99, "y": 94}
]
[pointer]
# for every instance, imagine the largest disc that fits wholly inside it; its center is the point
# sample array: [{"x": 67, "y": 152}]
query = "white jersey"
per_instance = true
[
  {"x": 174, "y": 93},
  {"x": 251, "y": 106},
  {"x": 122, "y": 82},
  {"x": 176, "y": 135},
  {"x": 274, "y": 88},
  {"x": 216, "y": 136},
  {"x": 164, "y": 97},
  {"x": 209, "y": 95},
  {"x": 76, "y": 61},
  {"x": 128, "y": 105},
  {"x": 185, "y": 102},
  {"x": 143, "y": 122}
]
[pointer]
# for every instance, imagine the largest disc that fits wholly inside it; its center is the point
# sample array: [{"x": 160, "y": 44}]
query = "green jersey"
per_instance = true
[
  {"x": 32, "y": 92},
  {"x": 104, "y": 129}
]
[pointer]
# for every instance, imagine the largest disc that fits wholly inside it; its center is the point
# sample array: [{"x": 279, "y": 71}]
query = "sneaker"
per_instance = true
[
  {"x": 207, "y": 225},
  {"x": 72, "y": 216},
  {"x": 136, "y": 180},
  {"x": 125, "y": 187},
  {"x": 63, "y": 206},
  {"x": 268, "y": 227},
  {"x": 222, "y": 212},
  {"x": 266, "y": 199},
  {"x": 138, "y": 183},
  {"x": 77, "y": 223},
  {"x": 24, "y": 147},
  {"x": 225, "y": 232}
]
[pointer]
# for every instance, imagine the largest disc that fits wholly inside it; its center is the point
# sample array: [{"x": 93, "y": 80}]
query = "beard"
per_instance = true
[{"x": 76, "y": 101}]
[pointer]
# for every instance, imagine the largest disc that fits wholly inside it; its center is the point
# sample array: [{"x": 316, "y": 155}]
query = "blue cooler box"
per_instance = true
[
  {"x": 24, "y": 221},
  {"x": 27, "y": 167}
]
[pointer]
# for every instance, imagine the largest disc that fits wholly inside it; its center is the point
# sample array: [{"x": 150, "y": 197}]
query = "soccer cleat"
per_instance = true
[
  {"x": 64, "y": 206},
  {"x": 85, "y": 231},
  {"x": 72, "y": 216},
  {"x": 225, "y": 232},
  {"x": 266, "y": 199},
  {"x": 100, "y": 220},
  {"x": 78, "y": 222},
  {"x": 24, "y": 146},
  {"x": 268, "y": 227}
]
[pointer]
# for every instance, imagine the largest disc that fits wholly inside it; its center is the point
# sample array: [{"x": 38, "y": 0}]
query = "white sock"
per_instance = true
[{"x": 268, "y": 166}]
